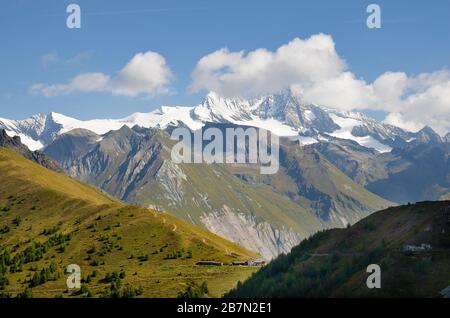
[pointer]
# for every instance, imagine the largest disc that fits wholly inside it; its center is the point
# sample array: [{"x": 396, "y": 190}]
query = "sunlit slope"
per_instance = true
[{"x": 48, "y": 220}]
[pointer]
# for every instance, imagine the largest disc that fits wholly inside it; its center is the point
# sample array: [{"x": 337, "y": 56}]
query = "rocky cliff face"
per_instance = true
[
  {"x": 15, "y": 144},
  {"x": 245, "y": 230},
  {"x": 417, "y": 171}
]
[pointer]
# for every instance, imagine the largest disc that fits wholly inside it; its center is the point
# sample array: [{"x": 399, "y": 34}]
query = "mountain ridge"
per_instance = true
[
  {"x": 15, "y": 144},
  {"x": 283, "y": 114}
]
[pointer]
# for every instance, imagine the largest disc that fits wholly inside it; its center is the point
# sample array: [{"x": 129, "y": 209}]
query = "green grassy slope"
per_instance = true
[
  {"x": 220, "y": 188},
  {"x": 48, "y": 221},
  {"x": 334, "y": 263}
]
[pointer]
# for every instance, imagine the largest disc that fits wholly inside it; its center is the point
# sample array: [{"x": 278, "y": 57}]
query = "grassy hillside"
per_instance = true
[
  {"x": 333, "y": 263},
  {"x": 213, "y": 187},
  {"x": 48, "y": 221}
]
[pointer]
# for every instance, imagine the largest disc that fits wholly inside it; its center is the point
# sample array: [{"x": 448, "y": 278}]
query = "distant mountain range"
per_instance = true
[
  {"x": 335, "y": 167},
  {"x": 418, "y": 171},
  {"x": 284, "y": 114}
]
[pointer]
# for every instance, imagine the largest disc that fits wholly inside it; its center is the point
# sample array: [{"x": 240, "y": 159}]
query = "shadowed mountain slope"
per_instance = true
[{"x": 411, "y": 244}]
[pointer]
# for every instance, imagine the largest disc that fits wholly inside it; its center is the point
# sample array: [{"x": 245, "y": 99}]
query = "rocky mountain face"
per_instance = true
[
  {"x": 420, "y": 170},
  {"x": 415, "y": 173},
  {"x": 35, "y": 132},
  {"x": 268, "y": 214},
  {"x": 288, "y": 109},
  {"x": 72, "y": 145},
  {"x": 15, "y": 144}
]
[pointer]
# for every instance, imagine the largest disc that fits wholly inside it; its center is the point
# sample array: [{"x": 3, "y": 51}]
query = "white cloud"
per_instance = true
[
  {"x": 313, "y": 68},
  {"x": 146, "y": 74},
  {"x": 261, "y": 71},
  {"x": 87, "y": 82},
  {"x": 427, "y": 104},
  {"x": 53, "y": 58},
  {"x": 399, "y": 120}
]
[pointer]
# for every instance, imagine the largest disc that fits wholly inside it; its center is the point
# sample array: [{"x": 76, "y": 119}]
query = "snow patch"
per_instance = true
[
  {"x": 32, "y": 144},
  {"x": 345, "y": 132}
]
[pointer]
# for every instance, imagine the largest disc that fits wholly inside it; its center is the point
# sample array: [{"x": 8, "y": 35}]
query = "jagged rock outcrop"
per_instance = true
[{"x": 15, "y": 144}]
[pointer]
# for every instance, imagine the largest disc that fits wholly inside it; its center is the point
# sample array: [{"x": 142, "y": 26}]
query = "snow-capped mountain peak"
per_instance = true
[
  {"x": 215, "y": 108},
  {"x": 284, "y": 114}
]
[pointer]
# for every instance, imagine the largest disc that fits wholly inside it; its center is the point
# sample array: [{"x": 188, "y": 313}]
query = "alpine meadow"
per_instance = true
[{"x": 209, "y": 157}]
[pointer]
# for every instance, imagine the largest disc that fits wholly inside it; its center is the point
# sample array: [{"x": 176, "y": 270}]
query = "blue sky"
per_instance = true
[{"x": 413, "y": 39}]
